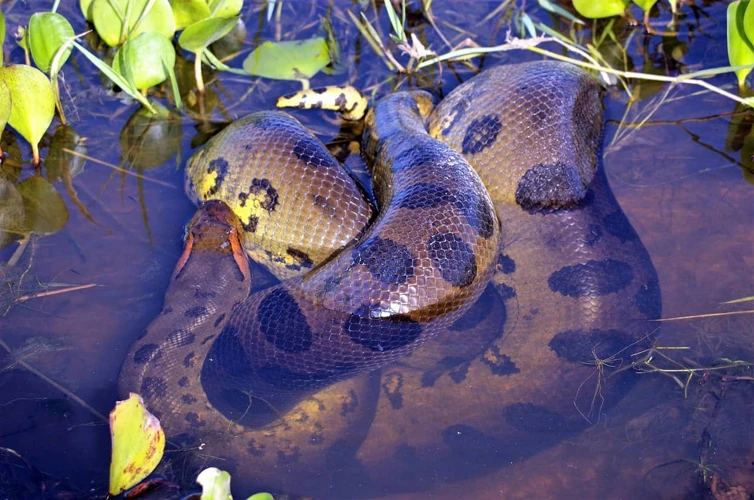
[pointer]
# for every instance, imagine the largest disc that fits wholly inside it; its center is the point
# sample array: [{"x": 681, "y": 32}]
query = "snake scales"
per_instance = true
[{"x": 514, "y": 295}]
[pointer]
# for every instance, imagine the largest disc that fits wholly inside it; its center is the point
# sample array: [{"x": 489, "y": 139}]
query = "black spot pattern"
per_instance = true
[
  {"x": 593, "y": 278},
  {"x": 289, "y": 457},
  {"x": 617, "y": 225},
  {"x": 203, "y": 294},
  {"x": 391, "y": 385},
  {"x": 423, "y": 195},
  {"x": 381, "y": 334},
  {"x": 302, "y": 258},
  {"x": 189, "y": 360},
  {"x": 593, "y": 235},
  {"x": 533, "y": 418},
  {"x": 388, "y": 261},
  {"x": 505, "y": 264},
  {"x": 478, "y": 212},
  {"x": 250, "y": 226},
  {"x": 152, "y": 387},
  {"x": 649, "y": 299},
  {"x": 349, "y": 403},
  {"x": 311, "y": 152},
  {"x": 147, "y": 353},
  {"x": 506, "y": 292},
  {"x": 194, "y": 421},
  {"x": 499, "y": 363},
  {"x": 183, "y": 382},
  {"x": 255, "y": 449},
  {"x": 219, "y": 165},
  {"x": 283, "y": 323},
  {"x": 188, "y": 399},
  {"x": 196, "y": 312},
  {"x": 258, "y": 186},
  {"x": 481, "y": 133},
  {"x": 181, "y": 338},
  {"x": 550, "y": 186},
  {"x": 579, "y": 346},
  {"x": 454, "y": 258},
  {"x": 219, "y": 320}
]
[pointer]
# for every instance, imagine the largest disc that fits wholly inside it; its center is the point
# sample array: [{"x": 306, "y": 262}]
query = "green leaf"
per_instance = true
[
  {"x": 2, "y": 35},
  {"x": 292, "y": 60},
  {"x": 646, "y": 5},
  {"x": 109, "y": 17},
  {"x": 740, "y": 49},
  {"x": 204, "y": 32},
  {"x": 11, "y": 211},
  {"x": 86, "y": 8},
  {"x": 33, "y": 101},
  {"x": 115, "y": 77},
  {"x": 557, "y": 9},
  {"x": 187, "y": 12},
  {"x": 140, "y": 60},
  {"x": 225, "y": 8},
  {"x": 138, "y": 444},
  {"x": 215, "y": 484},
  {"x": 48, "y": 31},
  {"x": 5, "y": 105},
  {"x": 593, "y": 9},
  {"x": 261, "y": 496},
  {"x": 45, "y": 209}
]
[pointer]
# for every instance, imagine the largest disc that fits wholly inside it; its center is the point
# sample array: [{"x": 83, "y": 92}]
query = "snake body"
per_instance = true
[{"x": 571, "y": 285}]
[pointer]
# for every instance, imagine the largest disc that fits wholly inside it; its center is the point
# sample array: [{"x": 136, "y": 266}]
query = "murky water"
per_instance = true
[{"x": 680, "y": 177}]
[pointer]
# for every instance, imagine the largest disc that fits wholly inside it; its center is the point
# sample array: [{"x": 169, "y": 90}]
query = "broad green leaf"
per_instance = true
[
  {"x": 231, "y": 43},
  {"x": 261, "y": 496},
  {"x": 5, "y": 106},
  {"x": 645, "y": 4},
  {"x": 109, "y": 18},
  {"x": 187, "y": 12},
  {"x": 2, "y": 35},
  {"x": 48, "y": 31},
  {"x": 225, "y": 8},
  {"x": 204, "y": 32},
  {"x": 740, "y": 49},
  {"x": 138, "y": 443},
  {"x": 293, "y": 60},
  {"x": 594, "y": 9},
  {"x": 33, "y": 101},
  {"x": 86, "y": 9},
  {"x": 115, "y": 77},
  {"x": 215, "y": 484},
  {"x": 140, "y": 60},
  {"x": 45, "y": 210},
  {"x": 11, "y": 211}
]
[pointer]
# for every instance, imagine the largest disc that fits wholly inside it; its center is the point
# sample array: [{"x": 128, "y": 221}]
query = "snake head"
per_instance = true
[{"x": 216, "y": 229}]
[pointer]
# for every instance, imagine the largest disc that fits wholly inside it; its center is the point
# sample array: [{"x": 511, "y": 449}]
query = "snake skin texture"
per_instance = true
[{"x": 488, "y": 312}]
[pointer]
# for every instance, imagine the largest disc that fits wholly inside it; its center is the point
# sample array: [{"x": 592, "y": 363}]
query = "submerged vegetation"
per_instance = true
[{"x": 164, "y": 57}]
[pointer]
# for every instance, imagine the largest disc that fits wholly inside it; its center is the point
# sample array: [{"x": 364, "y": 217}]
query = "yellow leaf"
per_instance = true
[{"x": 138, "y": 443}]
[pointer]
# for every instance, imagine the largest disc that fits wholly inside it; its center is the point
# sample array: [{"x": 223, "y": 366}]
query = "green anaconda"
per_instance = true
[{"x": 515, "y": 277}]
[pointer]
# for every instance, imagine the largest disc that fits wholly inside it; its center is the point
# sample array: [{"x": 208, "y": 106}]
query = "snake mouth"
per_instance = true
[{"x": 215, "y": 228}]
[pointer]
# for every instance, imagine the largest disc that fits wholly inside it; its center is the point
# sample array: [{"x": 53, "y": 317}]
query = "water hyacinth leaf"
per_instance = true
[
  {"x": 2, "y": 34},
  {"x": 187, "y": 12},
  {"x": 140, "y": 60},
  {"x": 86, "y": 9},
  {"x": 598, "y": 9},
  {"x": 740, "y": 49},
  {"x": 138, "y": 443},
  {"x": 33, "y": 101},
  {"x": 5, "y": 105},
  {"x": 215, "y": 484},
  {"x": 291, "y": 60},
  {"x": 45, "y": 210},
  {"x": 261, "y": 496},
  {"x": 48, "y": 31},
  {"x": 225, "y": 8},
  {"x": 109, "y": 17},
  {"x": 204, "y": 32},
  {"x": 645, "y": 4}
]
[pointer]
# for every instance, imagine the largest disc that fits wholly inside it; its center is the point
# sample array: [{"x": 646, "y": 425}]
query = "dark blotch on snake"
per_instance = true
[
  {"x": 506, "y": 292},
  {"x": 147, "y": 353},
  {"x": 580, "y": 346},
  {"x": 538, "y": 419},
  {"x": 454, "y": 258},
  {"x": 311, "y": 152},
  {"x": 194, "y": 421},
  {"x": 219, "y": 320},
  {"x": 593, "y": 235},
  {"x": 499, "y": 363},
  {"x": 153, "y": 387},
  {"x": 478, "y": 212},
  {"x": 188, "y": 399},
  {"x": 181, "y": 338},
  {"x": 505, "y": 264},
  {"x": 481, "y": 133},
  {"x": 593, "y": 278},
  {"x": 617, "y": 225},
  {"x": 386, "y": 260},
  {"x": 381, "y": 334},
  {"x": 219, "y": 165},
  {"x": 283, "y": 323},
  {"x": 270, "y": 200},
  {"x": 183, "y": 382},
  {"x": 189, "y": 360},
  {"x": 201, "y": 294},
  {"x": 301, "y": 258},
  {"x": 251, "y": 225},
  {"x": 196, "y": 312},
  {"x": 552, "y": 186}
]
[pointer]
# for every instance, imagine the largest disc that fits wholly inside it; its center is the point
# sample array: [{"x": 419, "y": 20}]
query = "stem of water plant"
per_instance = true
[{"x": 198, "y": 72}]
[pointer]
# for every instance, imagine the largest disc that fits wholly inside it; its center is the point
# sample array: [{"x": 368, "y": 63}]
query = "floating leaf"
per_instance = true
[
  {"x": 292, "y": 60},
  {"x": 5, "y": 106},
  {"x": 48, "y": 31},
  {"x": 45, "y": 209},
  {"x": 645, "y": 5},
  {"x": 86, "y": 9},
  {"x": 204, "y": 32},
  {"x": 215, "y": 484},
  {"x": 187, "y": 12},
  {"x": 2, "y": 35},
  {"x": 33, "y": 101},
  {"x": 140, "y": 60},
  {"x": 598, "y": 9},
  {"x": 740, "y": 49},
  {"x": 261, "y": 496},
  {"x": 138, "y": 443},
  {"x": 109, "y": 17},
  {"x": 225, "y": 8}
]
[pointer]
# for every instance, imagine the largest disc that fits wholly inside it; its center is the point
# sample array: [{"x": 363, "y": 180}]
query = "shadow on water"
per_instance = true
[{"x": 678, "y": 159}]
